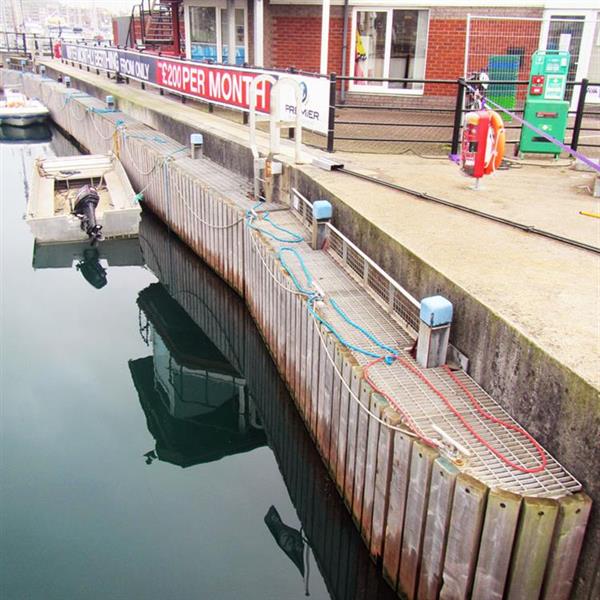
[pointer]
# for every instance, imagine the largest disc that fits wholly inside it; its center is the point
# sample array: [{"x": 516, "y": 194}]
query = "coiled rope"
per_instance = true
[{"x": 392, "y": 356}]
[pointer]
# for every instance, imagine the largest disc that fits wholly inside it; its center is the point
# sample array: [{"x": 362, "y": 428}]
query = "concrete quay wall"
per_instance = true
[{"x": 503, "y": 361}]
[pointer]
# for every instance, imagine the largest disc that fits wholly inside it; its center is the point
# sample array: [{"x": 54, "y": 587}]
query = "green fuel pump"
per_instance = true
[{"x": 545, "y": 106}]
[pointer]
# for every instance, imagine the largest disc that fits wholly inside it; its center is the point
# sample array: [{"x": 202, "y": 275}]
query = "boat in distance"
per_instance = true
[
  {"x": 20, "y": 111},
  {"x": 75, "y": 198}
]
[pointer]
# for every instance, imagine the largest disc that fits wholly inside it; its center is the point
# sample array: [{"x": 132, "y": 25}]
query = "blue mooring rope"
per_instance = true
[
  {"x": 312, "y": 296},
  {"x": 293, "y": 238}
]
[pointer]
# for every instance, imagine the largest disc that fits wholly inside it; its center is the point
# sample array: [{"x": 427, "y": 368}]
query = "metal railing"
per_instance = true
[
  {"x": 30, "y": 44},
  {"x": 381, "y": 286},
  {"x": 434, "y": 119}
]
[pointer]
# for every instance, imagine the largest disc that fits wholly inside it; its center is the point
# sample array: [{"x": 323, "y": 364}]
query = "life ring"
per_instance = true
[{"x": 499, "y": 134}]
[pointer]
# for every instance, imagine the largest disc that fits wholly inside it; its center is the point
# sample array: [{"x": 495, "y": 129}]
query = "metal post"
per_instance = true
[
  {"x": 331, "y": 119},
  {"x": 458, "y": 108},
  {"x": 579, "y": 113},
  {"x": 24, "y": 44}
]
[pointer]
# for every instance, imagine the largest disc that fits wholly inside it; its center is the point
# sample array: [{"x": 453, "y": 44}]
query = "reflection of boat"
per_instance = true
[
  {"x": 116, "y": 253},
  {"x": 20, "y": 111},
  {"x": 94, "y": 186},
  {"x": 86, "y": 258},
  {"x": 30, "y": 134},
  {"x": 195, "y": 403}
]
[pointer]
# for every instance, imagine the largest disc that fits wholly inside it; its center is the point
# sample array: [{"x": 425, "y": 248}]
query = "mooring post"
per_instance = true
[
  {"x": 67, "y": 81},
  {"x": 110, "y": 102},
  {"x": 434, "y": 331},
  {"x": 322, "y": 211},
  {"x": 196, "y": 145}
]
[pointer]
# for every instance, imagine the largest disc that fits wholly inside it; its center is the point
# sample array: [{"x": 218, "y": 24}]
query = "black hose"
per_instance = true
[{"x": 474, "y": 211}]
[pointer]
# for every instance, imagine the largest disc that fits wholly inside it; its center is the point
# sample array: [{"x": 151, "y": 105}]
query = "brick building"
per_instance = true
[{"x": 383, "y": 40}]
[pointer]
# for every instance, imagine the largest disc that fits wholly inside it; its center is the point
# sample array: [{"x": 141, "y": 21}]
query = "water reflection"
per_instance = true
[
  {"x": 198, "y": 328},
  {"x": 89, "y": 260},
  {"x": 195, "y": 403}
]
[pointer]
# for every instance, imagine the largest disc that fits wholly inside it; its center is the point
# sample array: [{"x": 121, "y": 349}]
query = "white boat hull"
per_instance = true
[
  {"x": 19, "y": 111},
  {"x": 23, "y": 120},
  {"x": 66, "y": 228}
]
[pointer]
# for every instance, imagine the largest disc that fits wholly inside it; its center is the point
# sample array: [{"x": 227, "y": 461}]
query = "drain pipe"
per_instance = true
[{"x": 344, "y": 52}]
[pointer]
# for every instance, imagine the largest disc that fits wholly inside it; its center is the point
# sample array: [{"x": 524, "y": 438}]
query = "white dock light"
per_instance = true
[
  {"x": 67, "y": 81},
  {"x": 196, "y": 145},
  {"x": 434, "y": 331},
  {"x": 110, "y": 102}
]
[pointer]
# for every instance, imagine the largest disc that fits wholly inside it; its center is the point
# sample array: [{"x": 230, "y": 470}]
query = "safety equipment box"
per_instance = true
[
  {"x": 545, "y": 107},
  {"x": 551, "y": 118}
]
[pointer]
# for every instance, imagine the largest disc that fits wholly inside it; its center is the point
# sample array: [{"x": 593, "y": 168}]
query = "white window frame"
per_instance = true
[
  {"x": 383, "y": 89},
  {"x": 218, "y": 5}
]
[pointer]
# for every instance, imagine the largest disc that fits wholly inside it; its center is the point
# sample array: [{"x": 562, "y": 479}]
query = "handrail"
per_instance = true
[
  {"x": 383, "y": 287},
  {"x": 377, "y": 268}
]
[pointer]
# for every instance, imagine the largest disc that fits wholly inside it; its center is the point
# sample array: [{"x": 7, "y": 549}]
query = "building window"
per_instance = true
[
  {"x": 390, "y": 43},
  {"x": 209, "y": 34},
  {"x": 203, "y": 33},
  {"x": 240, "y": 36}
]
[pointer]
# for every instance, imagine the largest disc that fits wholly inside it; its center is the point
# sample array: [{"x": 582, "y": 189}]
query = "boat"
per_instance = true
[
  {"x": 20, "y": 111},
  {"x": 75, "y": 198},
  {"x": 37, "y": 133}
]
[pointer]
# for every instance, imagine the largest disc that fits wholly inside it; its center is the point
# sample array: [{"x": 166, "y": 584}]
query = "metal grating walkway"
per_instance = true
[{"x": 416, "y": 398}]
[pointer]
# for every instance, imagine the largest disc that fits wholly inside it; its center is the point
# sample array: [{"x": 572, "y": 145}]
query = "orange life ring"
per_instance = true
[{"x": 497, "y": 124}]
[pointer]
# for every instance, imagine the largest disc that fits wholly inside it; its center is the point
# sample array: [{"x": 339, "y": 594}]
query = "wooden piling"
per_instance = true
[
  {"x": 402, "y": 451},
  {"x": 464, "y": 533},
  {"x": 416, "y": 510},
  {"x": 439, "y": 507},
  {"x": 532, "y": 547},
  {"x": 573, "y": 515}
]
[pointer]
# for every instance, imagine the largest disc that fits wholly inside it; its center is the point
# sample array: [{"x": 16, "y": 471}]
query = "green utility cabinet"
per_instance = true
[{"x": 545, "y": 107}]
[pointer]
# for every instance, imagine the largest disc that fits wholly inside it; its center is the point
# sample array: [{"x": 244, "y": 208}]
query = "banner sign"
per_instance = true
[{"x": 219, "y": 84}]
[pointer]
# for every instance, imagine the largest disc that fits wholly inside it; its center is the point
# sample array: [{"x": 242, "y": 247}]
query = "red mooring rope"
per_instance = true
[{"x": 419, "y": 432}]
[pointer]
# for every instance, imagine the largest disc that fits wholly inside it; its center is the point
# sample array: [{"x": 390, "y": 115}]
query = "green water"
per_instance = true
[{"x": 139, "y": 454}]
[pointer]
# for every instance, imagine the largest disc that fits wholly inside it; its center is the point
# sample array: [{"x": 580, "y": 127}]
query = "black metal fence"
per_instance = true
[{"x": 430, "y": 118}]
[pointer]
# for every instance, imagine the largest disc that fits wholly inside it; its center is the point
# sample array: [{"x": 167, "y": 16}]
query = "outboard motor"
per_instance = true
[
  {"x": 91, "y": 269},
  {"x": 85, "y": 209}
]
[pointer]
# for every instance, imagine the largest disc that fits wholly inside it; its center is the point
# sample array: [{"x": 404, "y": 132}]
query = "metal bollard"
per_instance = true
[
  {"x": 322, "y": 212},
  {"x": 67, "y": 81},
  {"x": 434, "y": 331},
  {"x": 42, "y": 70},
  {"x": 196, "y": 145},
  {"x": 110, "y": 102}
]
